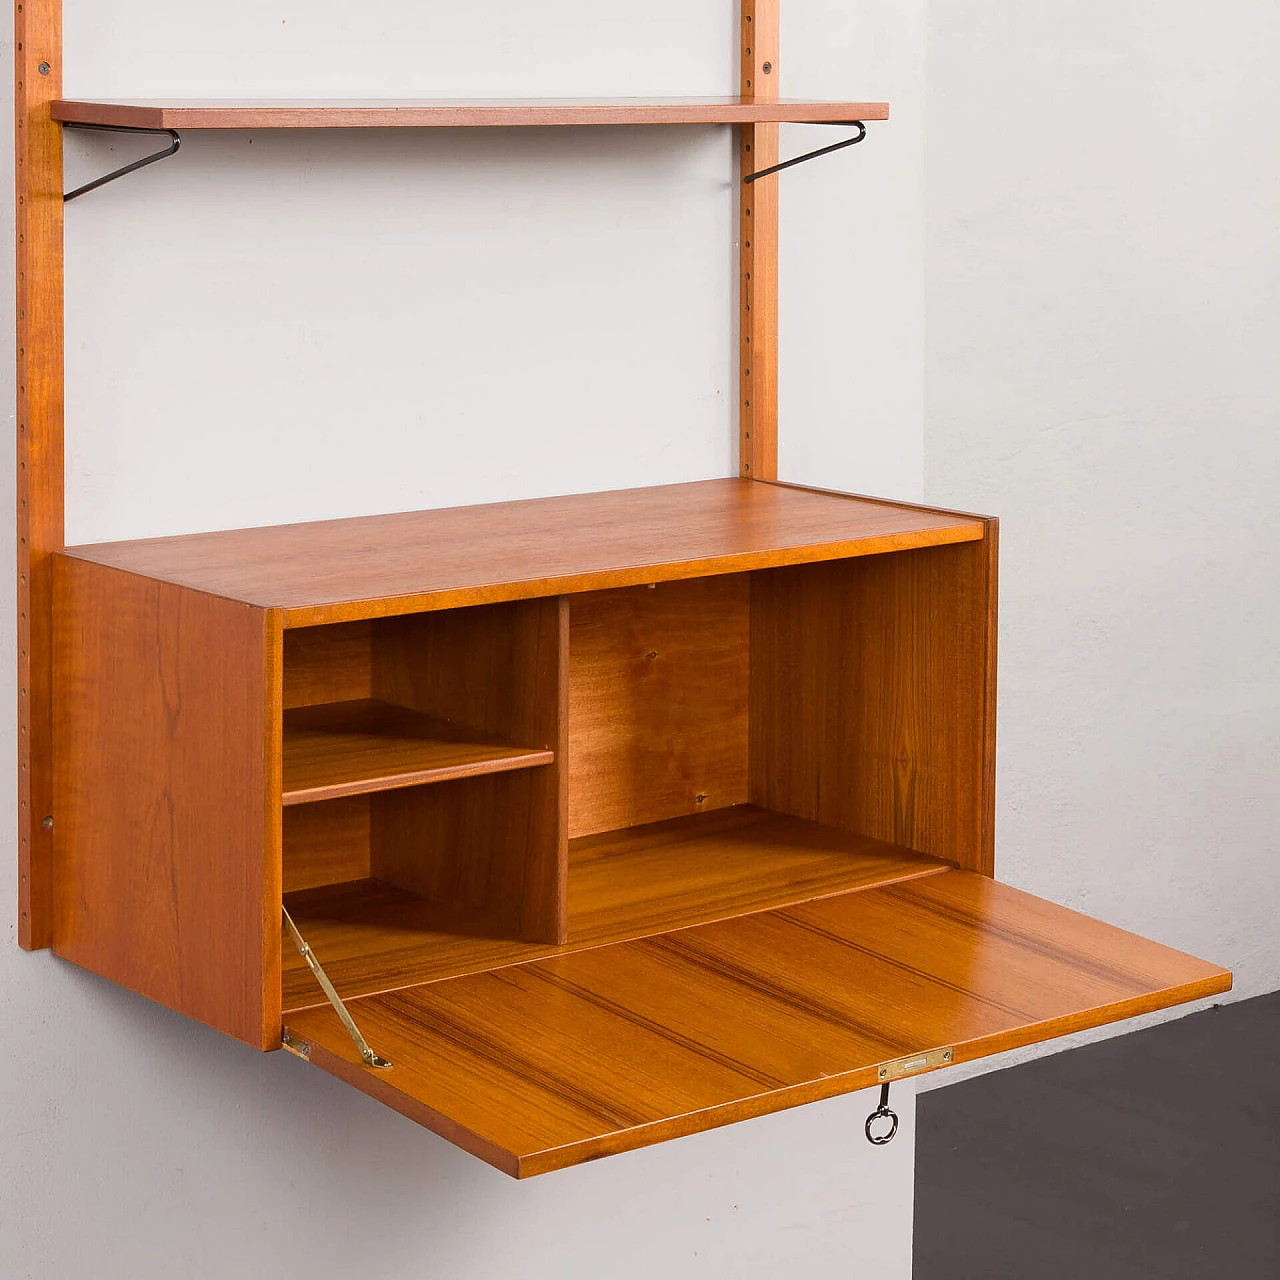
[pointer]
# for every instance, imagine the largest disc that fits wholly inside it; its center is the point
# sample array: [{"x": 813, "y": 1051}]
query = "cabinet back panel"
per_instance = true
[
  {"x": 482, "y": 850},
  {"x": 492, "y": 668},
  {"x": 326, "y": 843},
  {"x": 658, "y": 687},
  {"x": 328, "y": 664}
]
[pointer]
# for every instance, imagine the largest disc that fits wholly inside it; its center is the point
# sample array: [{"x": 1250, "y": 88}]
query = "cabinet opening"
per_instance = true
[
  {"x": 724, "y": 745},
  {"x": 396, "y": 702},
  {"x": 422, "y": 792}
]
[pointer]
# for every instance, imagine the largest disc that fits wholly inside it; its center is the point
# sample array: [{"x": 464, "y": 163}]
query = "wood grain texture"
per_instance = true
[
  {"x": 984, "y": 858},
  {"x": 493, "y": 669},
  {"x": 38, "y": 236},
  {"x": 548, "y": 1064},
  {"x": 871, "y": 697},
  {"x": 758, "y": 251},
  {"x": 328, "y": 664},
  {"x": 326, "y": 844},
  {"x": 624, "y": 884},
  {"x": 420, "y": 113},
  {"x": 167, "y": 850},
  {"x": 658, "y": 684},
  {"x": 347, "y": 748},
  {"x": 482, "y": 853},
  {"x": 502, "y": 670},
  {"x": 376, "y": 566}
]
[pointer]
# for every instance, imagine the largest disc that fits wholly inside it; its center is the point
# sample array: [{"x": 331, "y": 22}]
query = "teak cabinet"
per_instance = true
[
  {"x": 596, "y": 820},
  {"x": 609, "y": 817}
]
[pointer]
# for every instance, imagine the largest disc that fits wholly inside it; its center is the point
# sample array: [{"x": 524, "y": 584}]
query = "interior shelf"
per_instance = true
[
  {"x": 418, "y": 113},
  {"x": 374, "y": 566},
  {"x": 366, "y": 745},
  {"x": 622, "y": 884}
]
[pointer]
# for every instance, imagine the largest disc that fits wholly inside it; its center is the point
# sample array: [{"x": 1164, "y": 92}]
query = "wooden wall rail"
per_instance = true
[
  {"x": 38, "y": 185},
  {"x": 758, "y": 248}
]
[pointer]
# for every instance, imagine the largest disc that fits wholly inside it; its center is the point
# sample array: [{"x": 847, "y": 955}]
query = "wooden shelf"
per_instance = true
[
  {"x": 622, "y": 884},
  {"x": 358, "y": 747},
  {"x": 448, "y": 113},
  {"x": 373, "y": 566},
  {"x": 563, "y": 1060}
]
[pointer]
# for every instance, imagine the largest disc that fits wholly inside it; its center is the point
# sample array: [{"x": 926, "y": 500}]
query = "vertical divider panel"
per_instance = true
[
  {"x": 493, "y": 849},
  {"x": 872, "y": 697},
  {"x": 40, "y": 531},
  {"x": 758, "y": 242}
]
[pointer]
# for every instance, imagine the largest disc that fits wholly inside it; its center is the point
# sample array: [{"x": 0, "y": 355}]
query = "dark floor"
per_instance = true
[{"x": 1153, "y": 1156}]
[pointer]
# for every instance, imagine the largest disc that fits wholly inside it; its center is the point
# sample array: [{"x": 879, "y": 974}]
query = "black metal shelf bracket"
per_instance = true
[
  {"x": 813, "y": 155},
  {"x": 175, "y": 141}
]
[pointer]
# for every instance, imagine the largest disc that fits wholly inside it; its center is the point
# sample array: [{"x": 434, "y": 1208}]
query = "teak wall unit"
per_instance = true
[{"x": 608, "y": 818}]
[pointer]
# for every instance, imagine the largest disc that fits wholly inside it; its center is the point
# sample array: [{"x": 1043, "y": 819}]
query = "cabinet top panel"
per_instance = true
[
  {"x": 374, "y": 566},
  {"x": 417, "y": 113}
]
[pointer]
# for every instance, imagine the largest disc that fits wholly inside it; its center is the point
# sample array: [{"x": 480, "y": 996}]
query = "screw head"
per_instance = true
[
  {"x": 44, "y": 68},
  {"x": 47, "y": 824},
  {"x": 767, "y": 68}
]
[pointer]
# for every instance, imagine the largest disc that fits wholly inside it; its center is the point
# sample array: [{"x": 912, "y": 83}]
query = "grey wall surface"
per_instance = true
[
  {"x": 1103, "y": 324},
  {"x": 273, "y": 328}
]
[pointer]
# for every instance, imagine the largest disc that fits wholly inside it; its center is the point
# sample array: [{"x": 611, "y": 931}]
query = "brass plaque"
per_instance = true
[{"x": 917, "y": 1062}]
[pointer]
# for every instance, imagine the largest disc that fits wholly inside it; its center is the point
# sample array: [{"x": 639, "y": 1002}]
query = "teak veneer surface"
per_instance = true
[
  {"x": 658, "y": 686},
  {"x": 548, "y": 1064},
  {"x": 168, "y": 783},
  {"x": 374, "y": 937},
  {"x": 374, "y": 566},
  {"x": 346, "y": 748},
  {"x": 382, "y": 113}
]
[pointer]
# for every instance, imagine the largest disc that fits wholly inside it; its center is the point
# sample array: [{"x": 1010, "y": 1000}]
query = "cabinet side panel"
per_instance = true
[
  {"x": 167, "y": 860},
  {"x": 870, "y": 706},
  {"x": 989, "y": 548}
]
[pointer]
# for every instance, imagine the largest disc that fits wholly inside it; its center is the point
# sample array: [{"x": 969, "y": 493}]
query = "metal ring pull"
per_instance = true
[{"x": 883, "y": 1111}]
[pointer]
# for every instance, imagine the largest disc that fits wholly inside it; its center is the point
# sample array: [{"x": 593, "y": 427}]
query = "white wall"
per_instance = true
[
  {"x": 292, "y": 326},
  {"x": 1103, "y": 326},
  {"x": 280, "y": 328}
]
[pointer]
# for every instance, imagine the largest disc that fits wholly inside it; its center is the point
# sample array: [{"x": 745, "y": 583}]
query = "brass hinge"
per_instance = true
[
  {"x": 917, "y": 1062},
  {"x": 300, "y": 1047}
]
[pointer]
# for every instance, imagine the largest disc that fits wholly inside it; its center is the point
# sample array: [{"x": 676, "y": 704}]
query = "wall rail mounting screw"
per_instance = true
[{"x": 45, "y": 68}]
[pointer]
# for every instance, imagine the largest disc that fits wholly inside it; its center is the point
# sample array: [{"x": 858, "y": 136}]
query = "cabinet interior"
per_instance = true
[{"x": 621, "y": 762}]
